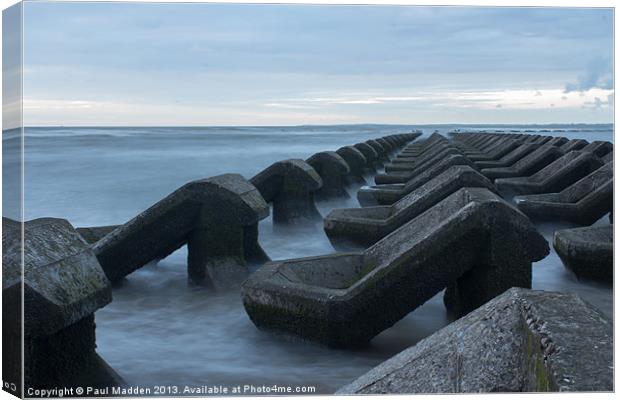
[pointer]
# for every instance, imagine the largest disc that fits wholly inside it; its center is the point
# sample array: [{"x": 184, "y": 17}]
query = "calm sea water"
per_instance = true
[{"x": 160, "y": 331}]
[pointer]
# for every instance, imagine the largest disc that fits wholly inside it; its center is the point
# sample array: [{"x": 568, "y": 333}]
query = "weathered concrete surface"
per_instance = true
[
  {"x": 555, "y": 177},
  {"x": 63, "y": 285},
  {"x": 528, "y": 165},
  {"x": 333, "y": 171},
  {"x": 406, "y": 171},
  {"x": 608, "y": 157},
  {"x": 599, "y": 148},
  {"x": 94, "y": 233},
  {"x": 389, "y": 194},
  {"x": 356, "y": 162},
  {"x": 472, "y": 241},
  {"x": 355, "y": 227},
  {"x": 521, "y": 341},
  {"x": 574, "y": 144},
  {"x": 215, "y": 217},
  {"x": 290, "y": 185},
  {"x": 510, "y": 158},
  {"x": 372, "y": 158},
  {"x": 583, "y": 202},
  {"x": 381, "y": 151},
  {"x": 557, "y": 141},
  {"x": 588, "y": 252},
  {"x": 497, "y": 152}
]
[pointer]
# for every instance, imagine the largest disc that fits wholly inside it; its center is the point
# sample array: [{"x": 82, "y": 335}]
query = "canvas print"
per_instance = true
[{"x": 209, "y": 199}]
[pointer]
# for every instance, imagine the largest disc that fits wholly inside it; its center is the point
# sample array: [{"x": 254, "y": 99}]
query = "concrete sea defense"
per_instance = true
[
  {"x": 526, "y": 166},
  {"x": 510, "y": 158},
  {"x": 599, "y": 148},
  {"x": 333, "y": 171},
  {"x": 556, "y": 176},
  {"x": 588, "y": 252},
  {"x": 290, "y": 186},
  {"x": 95, "y": 233},
  {"x": 574, "y": 144},
  {"x": 356, "y": 162},
  {"x": 472, "y": 241},
  {"x": 496, "y": 152},
  {"x": 583, "y": 202},
  {"x": 365, "y": 226},
  {"x": 381, "y": 151},
  {"x": 521, "y": 341},
  {"x": 216, "y": 217},
  {"x": 389, "y": 194},
  {"x": 63, "y": 286},
  {"x": 372, "y": 158}
]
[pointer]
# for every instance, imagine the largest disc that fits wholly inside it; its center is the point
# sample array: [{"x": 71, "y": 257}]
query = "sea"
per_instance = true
[{"x": 161, "y": 331}]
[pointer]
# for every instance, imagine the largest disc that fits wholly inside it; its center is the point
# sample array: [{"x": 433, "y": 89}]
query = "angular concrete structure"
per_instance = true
[
  {"x": 588, "y": 252},
  {"x": 555, "y": 177},
  {"x": 558, "y": 141},
  {"x": 333, "y": 171},
  {"x": 381, "y": 151},
  {"x": 510, "y": 158},
  {"x": 363, "y": 227},
  {"x": 372, "y": 158},
  {"x": 472, "y": 241},
  {"x": 290, "y": 186},
  {"x": 584, "y": 202},
  {"x": 521, "y": 341},
  {"x": 63, "y": 286},
  {"x": 574, "y": 144},
  {"x": 599, "y": 148},
  {"x": 356, "y": 162},
  {"x": 496, "y": 152},
  {"x": 94, "y": 233},
  {"x": 526, "y": 166},
  {"x": 390, "y": 194},
  {"x": 216, "y": 217}
]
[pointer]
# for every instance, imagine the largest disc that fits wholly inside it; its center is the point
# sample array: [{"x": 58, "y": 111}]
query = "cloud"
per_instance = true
[{"x": 598, "y": 75}]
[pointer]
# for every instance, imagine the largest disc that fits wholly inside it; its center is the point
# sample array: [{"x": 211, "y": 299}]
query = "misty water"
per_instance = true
[{"x": 161, "y": 331}]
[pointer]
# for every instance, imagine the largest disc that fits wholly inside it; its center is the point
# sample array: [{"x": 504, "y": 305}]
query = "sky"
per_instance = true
[{"x": 225, "y": 64}]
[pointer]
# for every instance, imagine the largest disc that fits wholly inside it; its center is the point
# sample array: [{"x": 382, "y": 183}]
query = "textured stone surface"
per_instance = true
[
  {"x": 63, "y": 285},
  {"x": 63, "y": 282},
  {"x": 333, "y": 171},
  {"x": 372, "y": 158},
  {"x": 588, "y": 252},
  {"x": 526, "y": 166},
  {"x": 574, "y": 144},
  {"x": 599, "y": 148},
  {"x": 472, "y": 241},
  {"x": 389, "y": 194},
  {"x": 365, "y": 226},
  {"x": 521, "y": 341},
  {"x": 555, "y": 177},
  {"x": 215, "y": 217},
  {"x": 510, "y": 158},
  {"x": 94, "y": 233},
  {"x": 356, "y": 162},
  {"x": 583, "y": 202}
]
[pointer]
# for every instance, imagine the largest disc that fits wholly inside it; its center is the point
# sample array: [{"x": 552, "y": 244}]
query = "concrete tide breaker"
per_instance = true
[
  {"x": 472, "y": 242},
  {"x": 588, "y": 252},
  {"x": 389, "y": 194},
  {"x": 371, "y": 156},
  {"x": 527, "y": 165},
  {"x": 216, "y": 217},
  {"x": 583, "y": 202},
  {"x": 510, "y": 158},
  {"x": 333, "y": 171},
  {"x": 574, "y": 144},
  {"x": 357, "y": 165},
  {"x": 290, "y": 186},
  {"x": 556, "y": 176},
  {"x": 521, "y": 341},
  {"x": 354, "y": 227},
  {"x": 63, "y": 286}
]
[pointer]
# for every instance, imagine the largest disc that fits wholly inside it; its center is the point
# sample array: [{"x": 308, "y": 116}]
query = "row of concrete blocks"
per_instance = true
[
  {"x": 583, "y": 182},
  {"x": 450, "y": 232},
  {"x": 65, "y": 280}
]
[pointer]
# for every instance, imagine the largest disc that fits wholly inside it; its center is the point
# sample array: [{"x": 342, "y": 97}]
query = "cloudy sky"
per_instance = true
[{"x": 208, "y": 64}]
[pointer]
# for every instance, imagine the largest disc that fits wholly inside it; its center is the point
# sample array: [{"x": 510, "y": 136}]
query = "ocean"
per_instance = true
[{"x": 159, "y": 330}]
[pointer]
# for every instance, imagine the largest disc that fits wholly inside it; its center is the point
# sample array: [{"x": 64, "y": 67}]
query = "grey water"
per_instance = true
[{"x": 158, "y": 330}]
